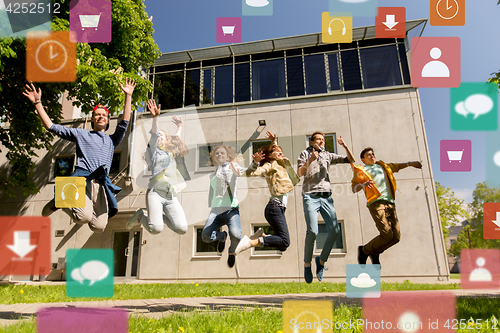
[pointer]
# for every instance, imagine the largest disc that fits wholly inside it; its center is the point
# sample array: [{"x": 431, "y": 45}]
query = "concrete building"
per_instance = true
[{"x": 233, "y": 94}]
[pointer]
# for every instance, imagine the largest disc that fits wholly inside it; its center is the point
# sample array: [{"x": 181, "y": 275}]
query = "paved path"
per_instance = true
[{"x": 156, "y": 308}]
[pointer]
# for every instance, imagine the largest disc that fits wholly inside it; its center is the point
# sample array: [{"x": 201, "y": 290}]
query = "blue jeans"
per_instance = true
[
  {"x": 323, "y": 203},
  {"x": 275, "y": 216},
  {"x": 215, "y": 221}
]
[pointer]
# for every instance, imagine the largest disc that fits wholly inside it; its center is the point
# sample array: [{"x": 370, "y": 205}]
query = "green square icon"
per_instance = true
[
  {"x": 474, "y": 107},
  {"x": 89, "y": 273}
]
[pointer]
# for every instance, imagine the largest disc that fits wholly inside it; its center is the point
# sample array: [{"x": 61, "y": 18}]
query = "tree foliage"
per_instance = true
[
  {"x": 100, "y": 70},
  {"x": 483, "y": 193},
  {"x": 450, "y": 208}
]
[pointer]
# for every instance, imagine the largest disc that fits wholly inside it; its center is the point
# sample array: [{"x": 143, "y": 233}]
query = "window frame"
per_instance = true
[
  {"x": 334, "y": 251},
  {"x": 262, "y": 252},
  {"x": 199, "y": 255},
  {"x": 52, "y": 176}
]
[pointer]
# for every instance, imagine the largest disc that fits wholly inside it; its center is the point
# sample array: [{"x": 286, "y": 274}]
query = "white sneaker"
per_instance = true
[
  {"x": 257, "y": 234},
  {"x": 243, "y": 245},
  {"x": 134, "y": 220}
]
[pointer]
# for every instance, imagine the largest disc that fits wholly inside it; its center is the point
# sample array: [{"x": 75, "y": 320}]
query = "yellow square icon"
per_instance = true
[
  {"x": 307, "y": 316},
  {"x": 336, "y": 29},
  {"x": 70, "y": 192}
]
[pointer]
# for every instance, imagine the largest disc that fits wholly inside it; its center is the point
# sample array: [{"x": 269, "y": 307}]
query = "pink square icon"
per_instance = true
[
  {"x": 408, "y": 311},
  {"x": 435, "y": 62},
  {"x": 480, "y": 269},
  {"x": 90, "y": 21},
  {"x": 455, "y": 155},
  {"x": 82, "y": 320},
  {"x": 229, "y": 30}
]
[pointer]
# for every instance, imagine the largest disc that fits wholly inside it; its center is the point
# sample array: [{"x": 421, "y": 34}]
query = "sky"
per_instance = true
[{"x": 191, "y": 24}]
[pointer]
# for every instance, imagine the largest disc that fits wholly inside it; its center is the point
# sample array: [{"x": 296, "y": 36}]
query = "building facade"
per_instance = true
[{"x": 233, "y": 94}]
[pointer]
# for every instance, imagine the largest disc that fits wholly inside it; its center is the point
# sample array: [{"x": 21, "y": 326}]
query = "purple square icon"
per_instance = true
[
  {"x": 82, "y": 320},
  {"x": 229, "y": 30},
  {"x": 456, "y": 155},
  {"x": 90, "y": 21}
]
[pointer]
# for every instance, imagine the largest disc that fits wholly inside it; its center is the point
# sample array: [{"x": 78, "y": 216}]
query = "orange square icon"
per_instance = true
[
  {"x": 50, "y": 57},
  {"x": 447, "y": 12},
  {"x": 390, "y": 22}
]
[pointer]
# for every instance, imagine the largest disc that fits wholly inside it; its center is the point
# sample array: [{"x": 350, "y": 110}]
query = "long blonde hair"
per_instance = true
[{"x": 176, "y": 146}]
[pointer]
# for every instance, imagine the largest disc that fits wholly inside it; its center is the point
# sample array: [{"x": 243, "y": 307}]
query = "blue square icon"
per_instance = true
[
  {"x": 90, "y": 272},
  {"x": 257, "y": 7},
  {"x": 363, "y": 281}
]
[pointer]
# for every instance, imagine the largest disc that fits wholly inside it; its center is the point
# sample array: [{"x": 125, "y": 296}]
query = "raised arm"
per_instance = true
[
  {"x": 155, "y": 112},
  {"x": 178, "y": 121},
  {"x": 415, "y": 164},
  {"x": 272, "y": 137},
  {"x": 35, "y": 98},
  {"x": 128, "y": 89},
  {"x": 348, "y": 151}
]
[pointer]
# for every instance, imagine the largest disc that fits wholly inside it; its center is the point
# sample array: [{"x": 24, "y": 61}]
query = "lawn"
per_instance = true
[
  {"x": 12, "y": 294},
  {"x": 257, "y": 320}
]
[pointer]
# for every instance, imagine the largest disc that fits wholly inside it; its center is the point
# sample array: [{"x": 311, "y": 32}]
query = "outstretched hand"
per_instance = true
[
  {"x": 341, "y": 142},
  {"x": 129, "y": 86},
  {"x": 33, "y": 95},
  {"x": 271, "y": 136},
  {"x": 153, "y": 109},
  {"x": 177, "y": 121},
  {"x": 257, "y": 157}
]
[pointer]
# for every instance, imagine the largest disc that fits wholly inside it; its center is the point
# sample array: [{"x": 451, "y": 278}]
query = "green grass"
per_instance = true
[
  {"x": 455, "y": 276},
  {"x": 258, "y": 320},
  {"x": 12, "y": 294}
]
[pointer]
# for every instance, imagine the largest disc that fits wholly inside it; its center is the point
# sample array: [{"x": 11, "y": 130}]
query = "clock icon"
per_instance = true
[
  {"x": 51, "y": 56},
  {"x": 447, "y": 9}
]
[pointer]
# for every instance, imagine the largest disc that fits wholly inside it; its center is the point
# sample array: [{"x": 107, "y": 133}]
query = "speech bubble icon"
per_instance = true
[
  {"x": 478, "y": 104},
  {"x": 496, "y": 158},
  {"x": 94, "y": 270},
  {"x": 75, "y": 274},
  {"x": 460, "y": 108}
]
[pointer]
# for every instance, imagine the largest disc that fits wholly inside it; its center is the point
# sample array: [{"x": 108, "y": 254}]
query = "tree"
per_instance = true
[
  {"x": 472, "y": 235},
  {"x": 450, "y": 207},
  {"x": 100, "y": 69}
]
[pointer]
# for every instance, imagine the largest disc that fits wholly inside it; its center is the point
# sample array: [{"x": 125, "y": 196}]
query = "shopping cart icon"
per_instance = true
[
  {"x": 455, "y": 155},
  {"x": 228, "y": 29},
  {"x": 89, "y": 21}
]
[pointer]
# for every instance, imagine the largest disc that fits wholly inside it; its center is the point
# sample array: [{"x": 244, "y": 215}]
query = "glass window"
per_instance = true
[
  {"x": 168, "y": 89},
  {"x": 202, "y": 247},
  {"x": 224, "y": 84},
  {"x": 242, "y": 82},
  {"x": 350, "y": 70},
  {"x": 315, "y": 74},
  {"x": 256, "y": 145},
  {"x": 204, "y": 162},
  {"x": 404, "y": 63},
  {"x": 295, "y": 76},
  {"x": 330, "y": 142},
  {"x": 338, "y": 246},
  {"x": 207, "y": 86},
  {"x": 268, "y": 230},
  {"x": 192, "y": 87},
  {"x": 63, "y": 166},
  {"x": 268, "y": 79},
  {"x": 115, "y": 163},
  {"x": 380, "y": 66},
  {"x": 333, "y": 67}
]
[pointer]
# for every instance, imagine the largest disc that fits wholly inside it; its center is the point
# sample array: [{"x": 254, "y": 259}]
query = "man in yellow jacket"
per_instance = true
[{"x": 382, "y": 207}]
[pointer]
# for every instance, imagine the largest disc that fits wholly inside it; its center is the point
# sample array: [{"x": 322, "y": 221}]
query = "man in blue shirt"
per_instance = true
[{"x": 94, "y": 152}]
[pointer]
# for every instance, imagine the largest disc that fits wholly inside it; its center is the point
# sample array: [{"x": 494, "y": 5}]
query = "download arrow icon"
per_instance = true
[
  {"x": 22, "y": 244},
  {"x": 390, "y": 21},
  {"x": 497, "y": 222}
]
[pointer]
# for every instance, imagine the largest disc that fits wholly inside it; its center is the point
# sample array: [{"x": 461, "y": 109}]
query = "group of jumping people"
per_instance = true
[{"x": 165, "y": 157}]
